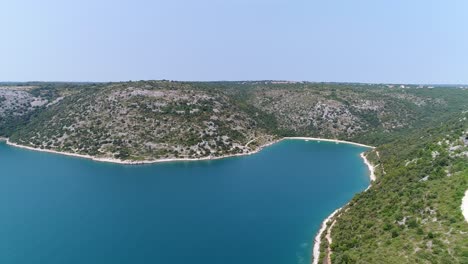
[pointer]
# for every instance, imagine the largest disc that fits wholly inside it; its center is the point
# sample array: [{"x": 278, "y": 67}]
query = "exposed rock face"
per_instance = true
[{"x": 15, "y": 101}]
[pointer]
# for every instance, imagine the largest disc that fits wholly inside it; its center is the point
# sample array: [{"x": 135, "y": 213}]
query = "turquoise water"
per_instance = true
[{"x": 263, "y": 208}]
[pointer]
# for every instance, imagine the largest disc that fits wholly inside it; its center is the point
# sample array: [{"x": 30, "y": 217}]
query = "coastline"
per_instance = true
[
  {"x": 316, "y": 248},
  {"x": 129, "y": 162},
  {"x": 370, "y": 167},
  {"x": 464, "y": 206},
  {"x": 331, "y": 140}
]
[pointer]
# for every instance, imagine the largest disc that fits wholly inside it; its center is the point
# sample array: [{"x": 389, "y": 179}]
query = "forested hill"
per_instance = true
[
  {"x": 411, "y": 214},
  {"x": 150, "y": 120}
]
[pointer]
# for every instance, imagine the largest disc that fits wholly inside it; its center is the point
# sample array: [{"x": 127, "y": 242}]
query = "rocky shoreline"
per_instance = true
[
  {"x": 130, "y": 162},
  {"x": 316, "y": 248}
]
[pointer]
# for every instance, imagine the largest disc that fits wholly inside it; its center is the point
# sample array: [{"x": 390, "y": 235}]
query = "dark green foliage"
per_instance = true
[{"x": 413, "y": 219}]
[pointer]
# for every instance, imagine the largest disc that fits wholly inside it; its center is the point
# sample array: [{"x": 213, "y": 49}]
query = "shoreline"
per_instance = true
[
  {"x": 129, "y": 162},
  {"x": 370, "y": 167},
  {"x": 338, "y": 141},
  {"x": 323, "y": 228},
  {"x": 317, "y": 240},
  {"x": 464, "y": 206}
]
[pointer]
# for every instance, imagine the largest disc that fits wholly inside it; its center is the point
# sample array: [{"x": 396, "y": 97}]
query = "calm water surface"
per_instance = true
[{"x": 263, "y": 208}]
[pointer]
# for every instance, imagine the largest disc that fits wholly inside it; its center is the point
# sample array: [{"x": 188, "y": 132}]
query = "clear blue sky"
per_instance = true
[{"x": 399, "y": 41}]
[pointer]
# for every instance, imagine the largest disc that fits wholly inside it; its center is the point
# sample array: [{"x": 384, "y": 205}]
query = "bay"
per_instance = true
[{"x": 262, "y": 208}]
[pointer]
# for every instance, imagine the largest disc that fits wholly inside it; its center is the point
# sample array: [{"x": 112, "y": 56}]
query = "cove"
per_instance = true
[{"x": 261, "y": 208}]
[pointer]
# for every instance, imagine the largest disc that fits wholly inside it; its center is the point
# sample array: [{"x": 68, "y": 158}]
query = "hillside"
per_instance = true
[
  {"x": 411, "y": 214},
  {"x": 143, "y": 122},
  {"x": 162, "y": 119}
]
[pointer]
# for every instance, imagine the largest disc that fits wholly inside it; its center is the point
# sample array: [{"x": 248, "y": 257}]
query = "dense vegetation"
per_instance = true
[{"x": 410, "y": 214}]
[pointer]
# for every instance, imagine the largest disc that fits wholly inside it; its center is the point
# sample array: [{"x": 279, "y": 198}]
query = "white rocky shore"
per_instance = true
[
  {"x": 330, "y": 140},
  {"x": 131, "y": 162},
  {"x": 316, "y": 249},
  {"x": 464, "y": 206}
]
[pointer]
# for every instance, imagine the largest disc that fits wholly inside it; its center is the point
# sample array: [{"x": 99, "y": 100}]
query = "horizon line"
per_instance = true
[{"x": 233, "y": 81}]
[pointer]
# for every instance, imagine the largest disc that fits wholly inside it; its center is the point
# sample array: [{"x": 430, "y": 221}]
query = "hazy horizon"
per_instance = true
[{"x": 213, "y": 81}]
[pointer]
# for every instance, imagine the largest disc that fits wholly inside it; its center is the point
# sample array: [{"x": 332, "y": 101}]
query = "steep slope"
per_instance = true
[
  {"x": 22, "y": 102},
  {"x": 412, "y": 213},
  {"x": 144, "y": 121},
  {"x": 364, "y": 113},
  {"x": 16, "y": 105}
]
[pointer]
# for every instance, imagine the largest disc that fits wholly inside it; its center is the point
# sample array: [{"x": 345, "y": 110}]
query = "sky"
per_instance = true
[{"x": 375, "y": 41}]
